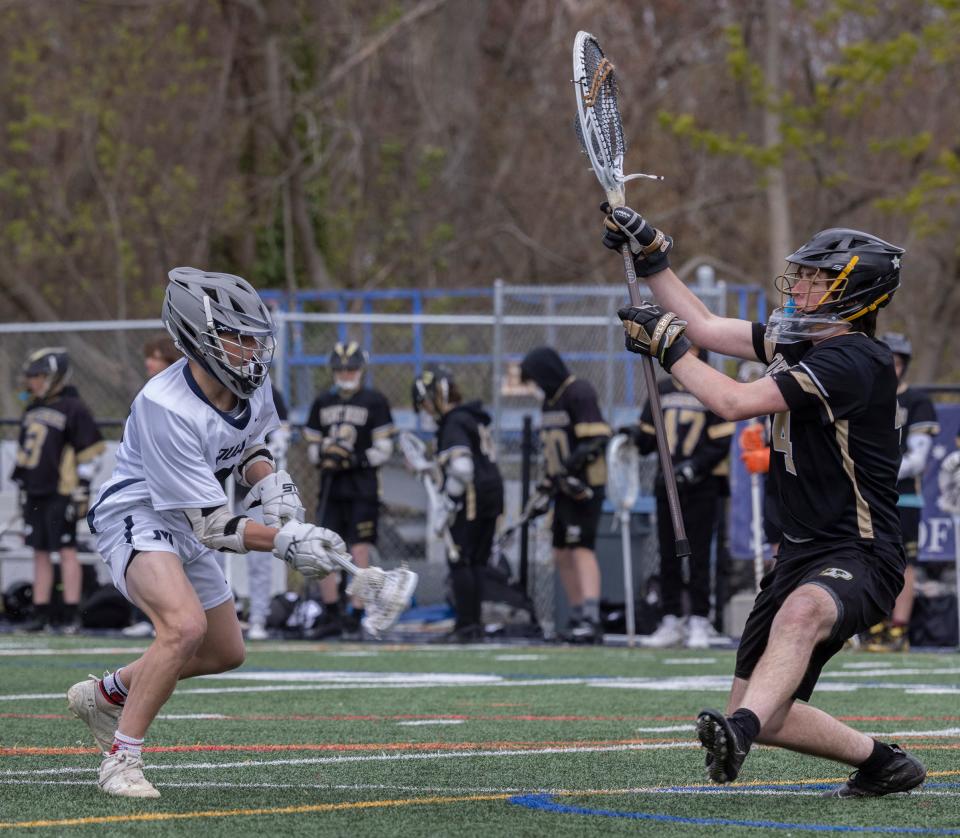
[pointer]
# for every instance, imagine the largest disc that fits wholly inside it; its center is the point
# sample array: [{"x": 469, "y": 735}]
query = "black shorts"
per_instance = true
[
  {"x": 910, "y": 524},
  {"x": 354, "y": 520},
  {"x": 575, "y": 522},
  {"x": 863, "y": 577},
  {"x": 48, "y": 529}
]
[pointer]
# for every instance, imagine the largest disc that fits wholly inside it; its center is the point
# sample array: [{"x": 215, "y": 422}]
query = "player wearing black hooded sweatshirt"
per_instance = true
[
  {"x": 573, "y": 436},
  {"x": 471, "y": 494}
]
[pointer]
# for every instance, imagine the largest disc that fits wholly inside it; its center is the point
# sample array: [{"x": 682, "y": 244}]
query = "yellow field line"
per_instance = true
[{"x": 372, "y": 804}]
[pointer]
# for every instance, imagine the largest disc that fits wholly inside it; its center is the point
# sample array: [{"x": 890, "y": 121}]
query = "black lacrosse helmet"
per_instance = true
[
  {"x": 347, "y": 356},
  {"x": 866, "y": 270},
  {"x": 432, "y": 388},
  {"x": 51, "y": 361},
  {"x": 899, "y": 344}
]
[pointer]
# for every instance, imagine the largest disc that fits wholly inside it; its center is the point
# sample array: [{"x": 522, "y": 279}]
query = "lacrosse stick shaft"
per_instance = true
[
  {"x": 326, "y": 484},
  {"x": 756, "y": 526},
  {"x": 663, "y": 449},
  {"x": 628, "y": 576}
]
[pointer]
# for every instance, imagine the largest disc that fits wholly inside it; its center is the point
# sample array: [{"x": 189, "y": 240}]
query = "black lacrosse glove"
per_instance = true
[
  {"x": 573, "y": 487},
  {"x": 336, "y": 456},
  {"x": 652, "y": 331},
  {"x": 686, "y": 474},
  {"x": 633, "y": 433},
  {"x": 650, "y": 247}
]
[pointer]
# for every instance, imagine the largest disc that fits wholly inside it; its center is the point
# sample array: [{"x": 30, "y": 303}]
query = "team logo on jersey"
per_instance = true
[
  {"x": 228, "y": 453},
  {"x": 837, "y": 573}
]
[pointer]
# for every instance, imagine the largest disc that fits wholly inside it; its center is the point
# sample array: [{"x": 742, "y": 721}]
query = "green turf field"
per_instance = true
[{"x": 490, "y": 740}]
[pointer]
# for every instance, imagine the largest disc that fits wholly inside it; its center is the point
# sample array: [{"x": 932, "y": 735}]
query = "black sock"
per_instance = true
[
  {"x": 42, "y": 611},
  {"x": 68, "y": 613},
  {"x": 878, "y": 758},
  {"x": 747, "y": 723}
]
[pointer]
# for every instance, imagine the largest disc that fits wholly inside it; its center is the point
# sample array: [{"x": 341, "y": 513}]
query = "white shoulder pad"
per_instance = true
[
  {"x": 254, "y": 454},
  {"x": 218, "y": 528}
]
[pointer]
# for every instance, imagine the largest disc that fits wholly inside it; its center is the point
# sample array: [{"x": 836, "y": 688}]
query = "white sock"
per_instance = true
[{"x": 126, "y": 743}]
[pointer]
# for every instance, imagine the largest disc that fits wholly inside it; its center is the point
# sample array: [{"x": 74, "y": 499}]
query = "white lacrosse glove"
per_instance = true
[
  {"x": 278, "y": 497},
  {"x": 313, "y": 453},
  {"x": 309, "y": 549},
  {"x": 443, "y": 513}
]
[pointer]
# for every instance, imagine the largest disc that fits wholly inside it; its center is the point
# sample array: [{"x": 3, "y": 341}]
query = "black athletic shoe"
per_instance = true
[
  {"x": 326, "y": 628},
  {"x": 584, "y": 631},
  {"x": 902, "y": 772},
  {"x": 725, "y": 750}
]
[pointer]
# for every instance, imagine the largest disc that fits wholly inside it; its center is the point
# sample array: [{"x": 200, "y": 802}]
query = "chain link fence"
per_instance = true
[{"x": 482, "y": 349}]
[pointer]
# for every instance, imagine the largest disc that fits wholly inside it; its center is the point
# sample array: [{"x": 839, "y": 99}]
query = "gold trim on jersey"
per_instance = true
[
  {"x": 311, "y": 434},
  {"x": 383, "y": 430},
  {"x": 721, "y": 430},
  {"x": 470, "y": 505},
  {"x": 587, "y": 429},
  {"x": 927, "y": 427},
  {"x": 91, "y": 452},
  {"x": 648, "y": 429},
  {"x": 842, "y": 429},
  {"x": 560, "y": 390}
]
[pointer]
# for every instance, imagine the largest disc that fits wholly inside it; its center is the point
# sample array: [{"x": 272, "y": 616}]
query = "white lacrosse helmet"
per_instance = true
[{"x": 202, "y": 310}]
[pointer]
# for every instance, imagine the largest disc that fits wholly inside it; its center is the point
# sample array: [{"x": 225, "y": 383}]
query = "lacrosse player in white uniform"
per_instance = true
[{"x": 163, "y": 516}]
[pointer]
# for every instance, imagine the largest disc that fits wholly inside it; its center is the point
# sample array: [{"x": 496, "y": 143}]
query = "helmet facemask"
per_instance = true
[
  {"x": 347, "y": 358},
  {"x": 809, "y": 298}
]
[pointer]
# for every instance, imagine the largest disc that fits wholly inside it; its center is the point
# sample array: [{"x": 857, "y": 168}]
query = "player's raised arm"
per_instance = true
[{"x": 650, "y": 248}]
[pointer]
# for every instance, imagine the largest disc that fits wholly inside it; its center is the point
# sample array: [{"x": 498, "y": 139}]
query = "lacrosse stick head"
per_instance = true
[
  {"x": 623, "y": 472},
  {"x": 598, "y": 123},
  {"x": 948, "y": 481},
  {"x": 414, "y": 452},
  {"x": 385, "y": 594}
]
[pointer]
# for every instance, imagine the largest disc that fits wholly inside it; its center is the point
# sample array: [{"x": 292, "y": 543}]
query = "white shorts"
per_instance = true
[{"x": 141, "y": 528}]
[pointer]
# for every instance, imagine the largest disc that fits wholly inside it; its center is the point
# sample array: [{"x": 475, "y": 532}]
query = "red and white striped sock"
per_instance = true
[
  {"x": 113, "y": 689},
  {"x": 126, "y": 743}
]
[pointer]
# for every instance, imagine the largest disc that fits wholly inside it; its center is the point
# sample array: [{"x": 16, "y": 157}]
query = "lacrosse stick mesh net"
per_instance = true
[
  {"x": 598, "y": 94},
  {"x": 623, "y": 472},
  {"x": 385, "y": 595}
]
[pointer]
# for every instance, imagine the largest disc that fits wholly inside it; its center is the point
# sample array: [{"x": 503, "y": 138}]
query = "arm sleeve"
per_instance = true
[
  {"x": 84, "y": 435},
  {"x": 763, "y": 349},
  {"x": 174, "y": 463},
  {"x": 835, "y": 381},
  {"x": 312, "y": 431},
  {"x": 714, "y": 445}
]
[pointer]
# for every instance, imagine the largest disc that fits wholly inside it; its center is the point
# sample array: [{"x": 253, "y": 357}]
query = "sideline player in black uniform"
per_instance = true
[
  {"x": 573, "y": 438},
  {"x": 58, "y": 454},
  {"x": 471, "y": 496},
  {"x": 832, "y": 389},
  {"x": 699, "y": 442},
  {"x": 917, "y": 420},
  {"x": 349, "y": 431}
]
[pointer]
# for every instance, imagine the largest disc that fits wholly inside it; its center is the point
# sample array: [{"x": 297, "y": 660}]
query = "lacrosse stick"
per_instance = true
[
  {"x": 948, "y": 481},
  {"x": 600, "y": 131},
  {"x": 414, "y": 452},
  {"x": 385, "y": 594},
  {"x": 623, "y": 487},
  {"x": 533, "y": 509}
]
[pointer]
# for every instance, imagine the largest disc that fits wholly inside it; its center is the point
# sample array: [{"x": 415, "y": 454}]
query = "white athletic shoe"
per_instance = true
[
  {"x": 142, "y": 629},
  {"x": 121, "y": 774},
  {"x": 256, "y": 632},
  {"x": 87, "y": 703},
  {"x": 669, "y": 633},
  {"x": 698, "y": 633}
]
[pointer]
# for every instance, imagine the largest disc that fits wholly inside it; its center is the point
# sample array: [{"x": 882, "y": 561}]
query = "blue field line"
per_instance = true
[{"x": 546, "y": 803}]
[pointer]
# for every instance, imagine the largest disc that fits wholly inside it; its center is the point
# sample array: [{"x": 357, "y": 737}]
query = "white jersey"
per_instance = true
[{"x": 178, "y": 449}]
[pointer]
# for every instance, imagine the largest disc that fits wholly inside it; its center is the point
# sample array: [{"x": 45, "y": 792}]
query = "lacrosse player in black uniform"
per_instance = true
[
  {"x": 832, "y": 388},
  {"x": 699, "y": 442},
  {"x": 917, "y": 420},
  {"x": 573, "y": 437},
  {"x": 349, "y": 431},
  {"x": 58, "y": 455},
  {"x": 471, "y": 494}
]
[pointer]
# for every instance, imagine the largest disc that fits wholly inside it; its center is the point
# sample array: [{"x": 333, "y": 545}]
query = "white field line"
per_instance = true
[
  {"x": 690, "y": 790},
  {"x": 28, "y": 652},
  {"x": 420, "y": 757}
]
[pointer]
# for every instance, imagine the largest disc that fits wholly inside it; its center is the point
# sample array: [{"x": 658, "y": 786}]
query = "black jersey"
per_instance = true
[
  {"x": 835, "y": 453},
  {"x": 915, "y": 415},
  {"x": 356, "y": 421},
  {"x": 572, "y": 421},
  {"x": 57, "y": 433},
  {"x": 465, "y": 428},
  {"x": 694, "y": 433}
]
